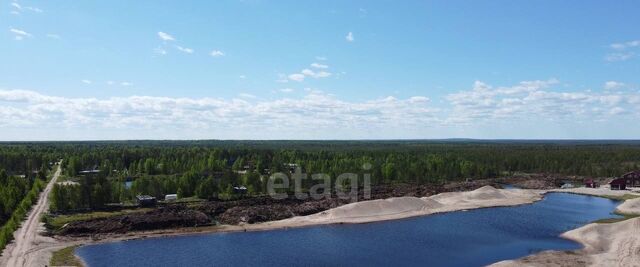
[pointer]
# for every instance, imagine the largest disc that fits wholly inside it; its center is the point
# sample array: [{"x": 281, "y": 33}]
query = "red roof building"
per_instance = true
[{"x": 618, "y": 184}]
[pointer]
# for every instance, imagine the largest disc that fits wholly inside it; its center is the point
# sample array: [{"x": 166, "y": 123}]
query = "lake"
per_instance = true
[{"x": 465, "y": 238}]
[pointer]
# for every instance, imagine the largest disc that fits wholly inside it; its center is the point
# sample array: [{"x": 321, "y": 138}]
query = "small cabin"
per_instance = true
[
  {"x": 618, "y": 184},
  {"x": 145, "y": 200},
  {"x": 171, "y": 197},
  {"x": 632, "y": 178},
  {"x": 590, "y": 183},
  {"x": 240, "y": 190},
  {"x": 567, "y": 186}
]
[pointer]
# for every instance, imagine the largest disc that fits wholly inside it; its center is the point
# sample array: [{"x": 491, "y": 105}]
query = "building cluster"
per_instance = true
[{"x": 630, "y": 179}]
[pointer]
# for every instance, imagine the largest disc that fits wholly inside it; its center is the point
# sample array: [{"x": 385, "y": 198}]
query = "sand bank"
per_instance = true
[
  {"x": 404, "y": 207},
  {"x": 611, "y": 244}
]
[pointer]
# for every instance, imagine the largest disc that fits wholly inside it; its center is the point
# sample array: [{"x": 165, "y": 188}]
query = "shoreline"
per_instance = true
[{"x": 365, "y": 212}]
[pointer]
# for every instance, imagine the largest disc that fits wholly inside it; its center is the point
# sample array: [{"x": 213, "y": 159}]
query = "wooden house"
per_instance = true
[{"x": 618, "y": 184}]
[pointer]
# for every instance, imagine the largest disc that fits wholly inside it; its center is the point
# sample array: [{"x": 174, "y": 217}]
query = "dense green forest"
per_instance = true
[
  {"x": 23, "y": 170},
  {"x": 205, "y": 169}
]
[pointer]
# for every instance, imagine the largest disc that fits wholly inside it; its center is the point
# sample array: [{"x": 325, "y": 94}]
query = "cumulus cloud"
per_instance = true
[
  {"x": 319, "y": 66},
  {"x": 53, "y": 36},
  {"x": 625, "y": 45},
  {"x": 296, "y": 77},
  {"x": 534, "y": 100},
  {"x": 21, "y": 107},
  {"x": 20, "y": 34},
  {"x": 216, "y": 53},
  {"x": 349, "y": 37},
  {"x": 612, "y": 85},
  {"x": 622, "y": 51},
  {"x": 319, "y": 73},
  {"x": 86, "y": 81},
  {"x": 165, "y": 36},
  {"x": 184, "y": 49}
]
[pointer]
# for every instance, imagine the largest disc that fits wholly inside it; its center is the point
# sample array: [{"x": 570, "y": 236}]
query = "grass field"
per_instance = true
[{"x": 65, "y": 257}]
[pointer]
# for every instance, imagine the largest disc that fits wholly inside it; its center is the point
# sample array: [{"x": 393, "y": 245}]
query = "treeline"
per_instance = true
[
  {"x": 15, "y": 204},
  {"x": 212, "y": 168}
]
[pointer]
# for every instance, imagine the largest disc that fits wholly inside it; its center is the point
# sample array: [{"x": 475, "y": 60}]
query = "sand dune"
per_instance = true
[
  {"x": 616, "y": 244},
  {"x": 403, "y": 207},
  {"x": 631, "y": 206}
]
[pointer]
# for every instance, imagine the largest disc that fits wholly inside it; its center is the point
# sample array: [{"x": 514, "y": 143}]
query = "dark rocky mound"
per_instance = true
[{"x": 162, "y": 218}]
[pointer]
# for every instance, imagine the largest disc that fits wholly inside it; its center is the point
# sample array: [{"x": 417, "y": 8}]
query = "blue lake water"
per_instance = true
[{"x": 465, "y": 238}]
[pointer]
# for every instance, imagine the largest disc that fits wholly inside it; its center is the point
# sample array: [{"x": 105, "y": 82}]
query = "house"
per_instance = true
[
  {"x": 618, "y": 184},
  {"x": 632, "y": 178},
  {"x": 171, "y": 197},
  {"x": 567, "y": 185},
  {"x": 89, "y": 172},
  {"x": 145, "y": 200},
  {"x": 240, "y": 190},
  {"x": 591, "y": 183}
]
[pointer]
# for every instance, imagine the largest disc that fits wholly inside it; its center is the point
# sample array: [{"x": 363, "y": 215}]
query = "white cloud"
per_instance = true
[
  {"x": 184, "y": 49},
  {"x": 165, "y": 36},
  {"x": 86, "y": 81},
  {"x": 621, "y": 51},
  {"x": 349, "y": 37},
  {"x": 534, "y": 100},
  {"x": 625, "y": 45},
  {"x": 160, "y": 51},
  {"x": 613, "y": 57},
  {"x": 611, "y": 85},
  {"x": 110, "y": 82},
  {"x": 299, "y": 77},
  {"x": 242, "y": 77},
  {"x": 53, "y": 36},
  {"x": 296, "y": 77},
  {"x": 315, "y": 110},
  {"x": 126, "y": 84},
  {"x": 319, "y": 66},
  {"x": 20, "y": 34},
  {"x": 286, "y": 90},
  {"x": 320, "y": 58},
  {"x": 16, "y": 5},
  {"x": 216, "y": 53},
  {"x": 34, "y": 9}
]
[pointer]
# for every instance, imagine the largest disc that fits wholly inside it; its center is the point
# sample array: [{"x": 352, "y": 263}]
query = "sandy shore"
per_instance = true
[
  {"x": 612, "y": 244},
  {"x": 404, "y": 207}
]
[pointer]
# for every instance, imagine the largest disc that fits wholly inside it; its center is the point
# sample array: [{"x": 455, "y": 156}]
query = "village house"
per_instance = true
[
  {"x": 171, "y": 197},
  {"x": 618, "y": 184},
  {"x": 632, "y": 178},
  {"x": 146, "y": 200},
  {"x": 590, "y": 183}
]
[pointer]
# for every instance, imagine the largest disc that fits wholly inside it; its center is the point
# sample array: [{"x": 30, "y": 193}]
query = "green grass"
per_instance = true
[
  {"x": 65, "y": 257},
  {"x": 621, "y": 198},
  {"x": 57, "y": 222},
  {"x": 615, "y": 220}
]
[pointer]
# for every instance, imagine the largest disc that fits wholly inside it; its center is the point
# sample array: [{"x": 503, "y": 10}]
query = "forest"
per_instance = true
[
  {"x": 118, "y": 171},
  {"x": 23, "y": 172}
]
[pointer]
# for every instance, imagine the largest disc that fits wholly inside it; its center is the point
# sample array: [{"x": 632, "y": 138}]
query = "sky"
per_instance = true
[{"x": 258, "y": 69}]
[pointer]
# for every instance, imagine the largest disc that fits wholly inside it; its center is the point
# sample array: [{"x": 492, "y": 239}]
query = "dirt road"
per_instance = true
[{"x": 27, "y": 237}]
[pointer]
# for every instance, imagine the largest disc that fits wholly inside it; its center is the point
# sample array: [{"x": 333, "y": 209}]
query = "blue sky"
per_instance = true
[{"x": 318, "y": 69}]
